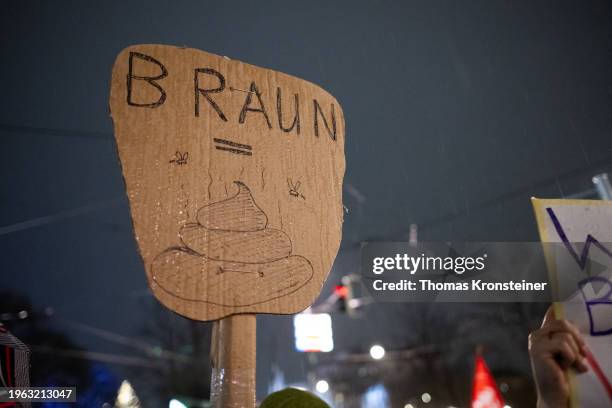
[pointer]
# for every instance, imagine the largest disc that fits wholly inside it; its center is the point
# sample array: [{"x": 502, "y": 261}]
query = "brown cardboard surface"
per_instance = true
[{"x": 236, "y": 201}]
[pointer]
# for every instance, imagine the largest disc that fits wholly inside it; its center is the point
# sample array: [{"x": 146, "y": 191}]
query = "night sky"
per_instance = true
[{"x": 456, "y": 114}]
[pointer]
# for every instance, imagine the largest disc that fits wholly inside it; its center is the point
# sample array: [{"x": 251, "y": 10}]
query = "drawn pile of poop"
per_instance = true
[{"x": 230, "y": 257}]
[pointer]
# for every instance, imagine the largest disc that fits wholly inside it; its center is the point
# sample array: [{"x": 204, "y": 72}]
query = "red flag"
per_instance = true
[{"x": 485, "y": 393}]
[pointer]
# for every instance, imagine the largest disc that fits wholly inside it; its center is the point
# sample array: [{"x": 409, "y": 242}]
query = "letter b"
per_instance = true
[{"x": 150, "y": 80}]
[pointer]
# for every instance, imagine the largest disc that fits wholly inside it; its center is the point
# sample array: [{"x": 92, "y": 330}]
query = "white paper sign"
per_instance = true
[{"x": 584, "y": 227}]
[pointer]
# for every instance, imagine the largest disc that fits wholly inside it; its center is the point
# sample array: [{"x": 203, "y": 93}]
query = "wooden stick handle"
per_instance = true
[{"x": 233, "y": 362}]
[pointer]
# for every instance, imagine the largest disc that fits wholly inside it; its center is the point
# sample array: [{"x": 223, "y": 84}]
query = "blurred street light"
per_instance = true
[
  {"x": 377, "y": 352},
  {"x": 174, "y": 403},
  {"x": 126, "y": 397},
  {"x": 322, "y": 386}
]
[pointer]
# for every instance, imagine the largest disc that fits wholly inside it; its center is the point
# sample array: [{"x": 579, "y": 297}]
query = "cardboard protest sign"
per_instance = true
[
  {"x": 234, "y": 179},
  {"x": 584, "y": 228}
]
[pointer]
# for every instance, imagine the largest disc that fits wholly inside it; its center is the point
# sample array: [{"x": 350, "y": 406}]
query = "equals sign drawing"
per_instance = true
[{"x": 233, "y": 147}]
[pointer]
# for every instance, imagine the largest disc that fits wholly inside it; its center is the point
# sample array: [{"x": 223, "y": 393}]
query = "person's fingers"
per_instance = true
[
  {"x": 541, "y": 343},
  {"x": 535, "y": 339},
  {"x": 539, "y": 339},
  {"x": 558, "y": 343},
  {"x": 560, "y": 326},
  {"x": 549, "y": 316},
  {"x": 563, "y": 351},
  {"x": 568, "y": 338},
  {"x": 581, "y": 365}
]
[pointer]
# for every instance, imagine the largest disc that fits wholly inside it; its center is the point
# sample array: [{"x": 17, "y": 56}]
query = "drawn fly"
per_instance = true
[
  {"x": 180, "y": 158},
  {"x": 294, "y": 189}
]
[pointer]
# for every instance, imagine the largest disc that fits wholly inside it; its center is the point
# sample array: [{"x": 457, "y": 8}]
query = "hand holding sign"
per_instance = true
[{"x": 234, "y": 178}]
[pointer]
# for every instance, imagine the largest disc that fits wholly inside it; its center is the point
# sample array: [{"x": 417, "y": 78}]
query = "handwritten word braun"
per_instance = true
[
  {"x": 412, "y": 264},
  {"x": 253, "y": 98}
]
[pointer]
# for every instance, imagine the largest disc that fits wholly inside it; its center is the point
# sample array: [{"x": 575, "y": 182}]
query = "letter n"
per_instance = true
[{"x": 319, "y": 112}]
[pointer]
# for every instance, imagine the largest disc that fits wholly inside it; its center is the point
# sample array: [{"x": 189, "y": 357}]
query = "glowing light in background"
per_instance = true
[
  {"x": 176, "y": 404},
  {"x": 126, "y": 397},
  {"x": 322, "y": 386},
  {"x": 313, "y": 332},
  {"x": 377, "y": 352},
  {"x": 376, "y": 396}
]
